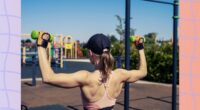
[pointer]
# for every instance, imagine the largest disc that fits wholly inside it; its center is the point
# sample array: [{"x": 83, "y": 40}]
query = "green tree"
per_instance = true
[
  {"x": 113, "y": 39},
  {"x": 117, "y": 48},
  {"x": 151, "y": 38},
  {"x": 120, "y": 28}
]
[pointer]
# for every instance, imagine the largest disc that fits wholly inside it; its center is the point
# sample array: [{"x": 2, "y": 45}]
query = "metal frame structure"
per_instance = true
[{"x": 175, "y": 5}]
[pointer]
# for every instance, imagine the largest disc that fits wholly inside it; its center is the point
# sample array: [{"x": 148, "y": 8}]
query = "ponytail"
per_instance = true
[{"x": 106, "y": 64}]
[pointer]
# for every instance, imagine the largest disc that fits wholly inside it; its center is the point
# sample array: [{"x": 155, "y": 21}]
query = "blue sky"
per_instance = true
[{"x": 83, "y": 18}]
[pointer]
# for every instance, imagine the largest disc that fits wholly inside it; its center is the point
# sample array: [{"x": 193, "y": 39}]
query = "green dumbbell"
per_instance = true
[
  {"x": 136, "y": 38},
  {"x": 35, "y": 34},
  {"x": 51, "y": 38}
]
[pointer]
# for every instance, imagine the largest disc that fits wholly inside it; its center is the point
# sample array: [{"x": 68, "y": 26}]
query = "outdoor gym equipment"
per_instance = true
[{"x": 175, "y": 5}]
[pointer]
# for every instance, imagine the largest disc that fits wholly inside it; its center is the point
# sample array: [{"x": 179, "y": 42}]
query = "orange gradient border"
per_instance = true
[{"x": 189, "y": 42}]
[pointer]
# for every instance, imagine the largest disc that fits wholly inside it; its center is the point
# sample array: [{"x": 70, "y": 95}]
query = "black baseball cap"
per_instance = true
[{"x": 97, "y": 43}]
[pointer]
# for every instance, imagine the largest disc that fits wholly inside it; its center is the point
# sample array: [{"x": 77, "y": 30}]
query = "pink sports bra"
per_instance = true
[{"x": 105, "y": 103}]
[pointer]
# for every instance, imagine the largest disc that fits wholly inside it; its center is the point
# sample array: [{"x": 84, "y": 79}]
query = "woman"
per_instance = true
[{"x": 101, "y": 87}]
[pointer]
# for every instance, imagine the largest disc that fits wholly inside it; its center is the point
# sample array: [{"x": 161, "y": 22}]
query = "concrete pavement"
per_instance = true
[{"x": 143, "y": 96}]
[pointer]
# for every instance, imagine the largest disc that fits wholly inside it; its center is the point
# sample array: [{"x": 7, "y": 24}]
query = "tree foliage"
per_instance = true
[
  {"x": 120, "y": 28},
  {"x": 158, "y": 55}
]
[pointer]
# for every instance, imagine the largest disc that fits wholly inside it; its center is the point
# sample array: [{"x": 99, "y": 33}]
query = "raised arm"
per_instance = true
[
  {"x": 134, "y": 75},
  {"x": 60, "y": 79}
]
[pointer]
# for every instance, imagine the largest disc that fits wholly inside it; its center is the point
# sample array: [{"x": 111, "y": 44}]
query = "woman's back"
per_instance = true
[
  {"x": 98, "y": 94},
  {"x": 95, "y": 88}
]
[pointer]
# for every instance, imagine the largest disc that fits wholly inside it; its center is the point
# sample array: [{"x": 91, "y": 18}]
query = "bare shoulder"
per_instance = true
[
  {"x": 89, "y": 77},
  {"x": 120, "y": 73},
  {"x": 83, "y": 74}
]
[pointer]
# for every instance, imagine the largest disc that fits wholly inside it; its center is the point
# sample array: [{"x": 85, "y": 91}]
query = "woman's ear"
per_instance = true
[{"x": 91, "y": 56}]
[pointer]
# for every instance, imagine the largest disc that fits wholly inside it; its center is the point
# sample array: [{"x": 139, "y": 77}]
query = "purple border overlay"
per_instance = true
[{"x": 10, "y": 30}]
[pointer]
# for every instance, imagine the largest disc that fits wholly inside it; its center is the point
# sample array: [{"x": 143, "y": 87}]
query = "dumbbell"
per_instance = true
[
  {"x": 35, "y": 34},
  {"x": 43, "y": 38},
  {"x": 138, "y": 41}
]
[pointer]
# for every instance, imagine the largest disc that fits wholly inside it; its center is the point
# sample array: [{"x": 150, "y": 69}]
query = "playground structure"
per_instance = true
[
  {"x": 70, "y": 47},
  {"x": 56, "y": 51},
  {"x": 50, "y": 52},
  {"x": 61, "y": 47}
]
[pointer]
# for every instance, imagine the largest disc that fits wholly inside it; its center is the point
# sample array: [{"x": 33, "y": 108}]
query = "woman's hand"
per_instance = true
[{"x": 43, "y": 39}]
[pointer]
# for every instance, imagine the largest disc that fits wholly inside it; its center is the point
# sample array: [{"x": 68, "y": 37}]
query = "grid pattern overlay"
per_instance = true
[
  {"x": 10, "y": 30},
  {"x": 189, "y": 41}
]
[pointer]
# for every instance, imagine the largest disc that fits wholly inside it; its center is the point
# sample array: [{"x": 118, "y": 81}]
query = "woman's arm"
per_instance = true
[
  {"x": 64, "y": 80},
  {"x": 134, "y": 75}
]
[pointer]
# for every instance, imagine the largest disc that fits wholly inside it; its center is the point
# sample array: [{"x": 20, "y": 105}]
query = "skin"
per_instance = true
[{"x": 89, "y": 82}]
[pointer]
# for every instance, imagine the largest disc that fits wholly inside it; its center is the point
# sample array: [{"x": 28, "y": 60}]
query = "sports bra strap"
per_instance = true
[{"x": 106, "y": 84}]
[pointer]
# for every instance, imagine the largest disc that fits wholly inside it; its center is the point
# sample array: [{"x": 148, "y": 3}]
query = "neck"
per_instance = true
[{"x": 97, "y": 65}]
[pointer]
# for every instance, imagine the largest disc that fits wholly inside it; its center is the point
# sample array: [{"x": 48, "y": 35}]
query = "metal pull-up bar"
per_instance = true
[
  {"x": 127, "y": 51},
  {"x": 175, "y": 5},
  {"x": 157, "y": 1}
]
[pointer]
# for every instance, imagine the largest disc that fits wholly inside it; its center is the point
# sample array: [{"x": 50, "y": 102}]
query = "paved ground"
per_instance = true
[{"x": 143, "y": 96}]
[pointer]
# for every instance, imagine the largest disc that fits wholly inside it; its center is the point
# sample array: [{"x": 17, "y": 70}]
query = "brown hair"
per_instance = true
[{"x": 106, "y": 64}]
